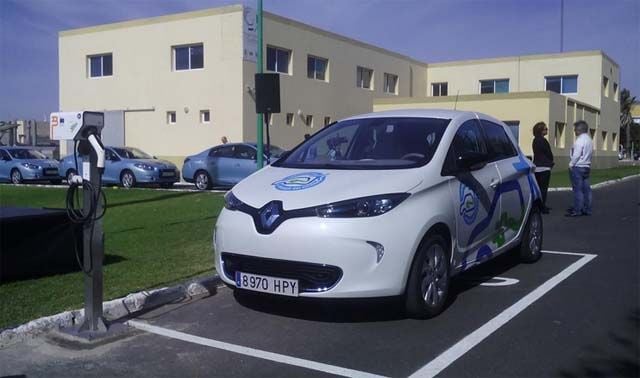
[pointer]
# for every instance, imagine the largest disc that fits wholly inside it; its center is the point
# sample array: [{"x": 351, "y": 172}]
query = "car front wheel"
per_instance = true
[
  {"x": 202, "y": 180},
  {"x": 428, "y": 285},
  {"x": 127, "y": 179},
  {"x": 531, "y": 246},
  {"x": 16, "y": 177}
]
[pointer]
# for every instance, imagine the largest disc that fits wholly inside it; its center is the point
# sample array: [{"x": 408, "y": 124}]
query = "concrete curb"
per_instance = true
[
  {"x": 114, "y": 309},
  {"x": 598, "y": 185}
]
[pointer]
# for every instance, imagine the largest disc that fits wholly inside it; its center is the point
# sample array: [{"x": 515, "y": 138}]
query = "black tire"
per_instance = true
[
  {"x": 530, "y": 248},
  {"x": 127, "y": 179},
  {"x": 70, "y": 173},
  {"x": 429, "y": 279},
  {"x": 56, "y": 182},
  {"x": 16, "y": 176},
  {"x": 202, "y": 180}
]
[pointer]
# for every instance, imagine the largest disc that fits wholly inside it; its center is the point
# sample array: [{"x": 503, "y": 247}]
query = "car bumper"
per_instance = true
[
  {"x": 39, "y": 174},
  {"x": 342, "y": 243},
  {"x": 155, "y": 177}
]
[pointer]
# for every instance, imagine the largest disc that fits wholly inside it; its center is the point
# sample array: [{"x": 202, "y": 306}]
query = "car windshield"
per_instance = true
[
  {"x": 132, "y": 153},
  {"x": 19, "y": 153},
  {"x": 370, "y": 143}
]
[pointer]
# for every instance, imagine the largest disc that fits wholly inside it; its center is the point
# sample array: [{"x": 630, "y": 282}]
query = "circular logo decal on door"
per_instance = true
[
  {"x": 300, "y": 181},
  {"x": 468, "y": 204}
]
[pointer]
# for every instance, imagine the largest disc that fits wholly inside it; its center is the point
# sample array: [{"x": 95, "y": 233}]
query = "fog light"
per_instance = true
[{"x": 379, "y": 250}]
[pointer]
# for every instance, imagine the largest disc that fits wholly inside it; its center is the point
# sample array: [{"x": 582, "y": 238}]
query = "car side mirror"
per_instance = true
[{"x": 471, "y": 161}]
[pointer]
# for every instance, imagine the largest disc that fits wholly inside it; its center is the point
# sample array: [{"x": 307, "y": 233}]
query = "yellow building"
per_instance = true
[{"x": 181, "y": 82}]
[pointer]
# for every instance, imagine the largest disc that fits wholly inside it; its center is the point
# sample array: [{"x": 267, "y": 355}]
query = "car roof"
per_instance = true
[{"x": 418, "y": 113}]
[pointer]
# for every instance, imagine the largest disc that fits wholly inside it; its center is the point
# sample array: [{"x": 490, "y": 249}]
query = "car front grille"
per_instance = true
[{"x": 311, "y": 277}]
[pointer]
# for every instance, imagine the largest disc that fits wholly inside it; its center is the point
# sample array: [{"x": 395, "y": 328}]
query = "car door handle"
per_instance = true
[{"x": 494, "y": 183}]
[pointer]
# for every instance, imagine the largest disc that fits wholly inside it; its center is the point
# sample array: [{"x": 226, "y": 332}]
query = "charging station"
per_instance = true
[{"x": 85, "y": 129}]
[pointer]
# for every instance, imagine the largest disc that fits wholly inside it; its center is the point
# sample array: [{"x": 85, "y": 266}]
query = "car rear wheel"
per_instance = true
[
  {"x": 127, "y": 179},
  {"x": 16, "y": 177},
  {"x": 70, "y": 174},
  {"x": 531, "y": 245},
  {"x": 202, "y": 180},
  {"x": 428, "y": 285}
]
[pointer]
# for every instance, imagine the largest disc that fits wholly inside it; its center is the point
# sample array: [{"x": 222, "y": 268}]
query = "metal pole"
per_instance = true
[
  {"x": 259, "y": 121},
  {"x": 93, "y": 246}
]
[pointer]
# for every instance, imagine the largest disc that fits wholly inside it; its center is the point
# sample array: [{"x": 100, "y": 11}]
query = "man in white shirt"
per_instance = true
[{"x": 579, "y": 171}]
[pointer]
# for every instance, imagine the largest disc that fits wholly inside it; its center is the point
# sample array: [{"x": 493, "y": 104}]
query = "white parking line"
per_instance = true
[
  {"x": 467, "y": 343},
  {"x": 281, "y": 358}
]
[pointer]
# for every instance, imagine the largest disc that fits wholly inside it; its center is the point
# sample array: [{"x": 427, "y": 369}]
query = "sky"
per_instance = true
[{"x": 428, "y": 30}]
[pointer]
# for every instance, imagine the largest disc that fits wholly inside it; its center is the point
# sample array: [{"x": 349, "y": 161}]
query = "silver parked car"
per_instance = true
[
  {"x": 224, "y": 165},
  {"x": 128, "y": 167},
  {"x": 20, "y": 164}
]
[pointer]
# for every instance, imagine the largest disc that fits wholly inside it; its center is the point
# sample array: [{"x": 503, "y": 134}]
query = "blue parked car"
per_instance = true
[
  {"x": 128, "y": 167},
  {"x": 20, "y": 164},
  {"x": 223, "y": 165}
]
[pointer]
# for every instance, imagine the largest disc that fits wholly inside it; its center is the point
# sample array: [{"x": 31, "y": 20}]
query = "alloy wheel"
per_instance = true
[
  {"x": 433, "y": 284},
  {"x": 16, "y": 177},
  {"x": 202, "y": 181},
  {"x": 535, "y": 234},
  {"x": 127, "y": 180}
]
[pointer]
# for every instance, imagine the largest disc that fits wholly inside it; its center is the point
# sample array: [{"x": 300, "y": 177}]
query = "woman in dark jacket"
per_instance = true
[{"x": 543, "y": 159}]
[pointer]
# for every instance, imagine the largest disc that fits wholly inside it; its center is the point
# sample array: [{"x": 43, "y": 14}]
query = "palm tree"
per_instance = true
[{"x": 626, "y": 120}]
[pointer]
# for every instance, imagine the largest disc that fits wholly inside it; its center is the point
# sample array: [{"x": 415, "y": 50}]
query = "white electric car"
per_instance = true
[{"x": 383, "y": 204}]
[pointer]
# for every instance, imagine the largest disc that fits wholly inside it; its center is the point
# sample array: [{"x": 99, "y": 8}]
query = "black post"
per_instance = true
[
  {"x": 93, "y": 253},
  {"x": 268, "y": 151}
]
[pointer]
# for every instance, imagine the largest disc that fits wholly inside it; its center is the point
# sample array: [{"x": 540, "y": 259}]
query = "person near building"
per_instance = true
[
  {"x": 224, "y": 139},
  {"x": 580, "y": 170},
  {"x": 543, "y": 159}
]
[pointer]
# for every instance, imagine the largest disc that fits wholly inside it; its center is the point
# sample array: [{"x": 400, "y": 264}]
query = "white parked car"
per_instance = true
[{"x": 383, "y": 204}]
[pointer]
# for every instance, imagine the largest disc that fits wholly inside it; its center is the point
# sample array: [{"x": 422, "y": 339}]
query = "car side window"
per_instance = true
[
  {"x": 499, "y": 145},
  {"x": 4, "y": 155},
  {"x": 245, "y": 152},
  {"x": 110, "y": 155},
  {"x": 468, "y": 138},
  {"x": 224, "y": 151}
]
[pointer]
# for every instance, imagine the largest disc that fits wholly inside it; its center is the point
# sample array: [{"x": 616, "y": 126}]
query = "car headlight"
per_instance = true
[
  {"x": 30, "y": 166},
  {"x": 146, "y": 167},
  {"x": 362, "y": 207},
  {"x": 231, "y": 202}
]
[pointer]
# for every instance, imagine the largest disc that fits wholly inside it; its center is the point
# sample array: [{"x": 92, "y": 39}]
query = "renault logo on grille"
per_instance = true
[{"x": 270, "y": 213}]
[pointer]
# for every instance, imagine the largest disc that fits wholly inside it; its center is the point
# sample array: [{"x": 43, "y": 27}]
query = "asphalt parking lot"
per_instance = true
[{"x": 574, "y": 313}]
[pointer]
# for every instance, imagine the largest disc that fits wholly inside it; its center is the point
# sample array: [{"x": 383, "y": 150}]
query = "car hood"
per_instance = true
[
  {"x": 45, "y": 163},
  {"x": 157, "y": 163},
  {"x": 300, "y": 188}
]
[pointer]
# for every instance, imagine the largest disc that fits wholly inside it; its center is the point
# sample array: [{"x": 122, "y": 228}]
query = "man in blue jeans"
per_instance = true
[{"x": 579, "y": 171}]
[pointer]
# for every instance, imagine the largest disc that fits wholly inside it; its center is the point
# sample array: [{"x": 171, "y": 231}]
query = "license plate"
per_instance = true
[
  {"x": 168, "y": 174},
  {"x": 50, "y": 172},
  {"x": 266, "y": 284}
]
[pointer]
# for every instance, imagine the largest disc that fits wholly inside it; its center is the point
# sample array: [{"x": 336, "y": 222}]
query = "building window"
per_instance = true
[
  {"x": 100, "y": 65},
  {"x": 605, "y": 86},
  {"x": 308, "y": 120},
  {"x": 205, "y": 116},
  {"x": 364, "y": 77},
  {"x": 390, "y": 83},
  {"x": 605, "y": 146},
  {"x": 171, "y": 117},
  {"x": 439, "y": 89},
  {"x": 278, "y": 59},
  {"x": 289, "y": 119},
  {"x": 558, "y": 135},
  {"x": 327, "y": 120},
  {"x": 615, "y": 91},
  {"x": 317, "y": 68},
  {"x": 562, "y": 84},
  {"x": 189, "y": 57},
  {"x": 494, "y": 86}
]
